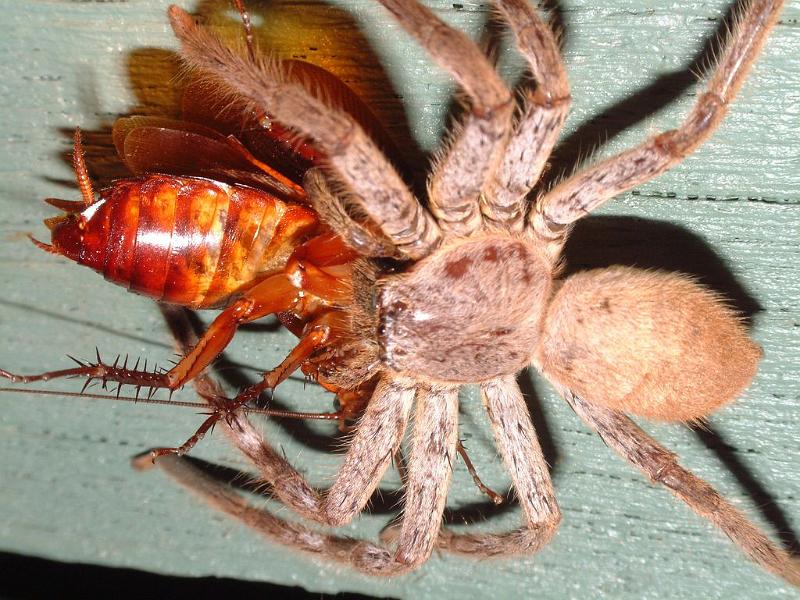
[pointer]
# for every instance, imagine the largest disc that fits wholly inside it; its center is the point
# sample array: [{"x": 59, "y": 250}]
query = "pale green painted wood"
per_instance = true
[{"x": 67, "y": 491}]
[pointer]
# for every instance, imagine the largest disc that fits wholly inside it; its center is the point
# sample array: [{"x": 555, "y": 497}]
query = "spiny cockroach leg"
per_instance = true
[
  {"x": 228, "y": 413},
  {"x": 224, "y": 408},
  {"x": 273, "y": 295},
  {"x": 104, "y": 372}
]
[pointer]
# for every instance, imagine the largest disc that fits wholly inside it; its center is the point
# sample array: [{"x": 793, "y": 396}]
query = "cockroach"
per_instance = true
[{"x": 216, "y": 218}]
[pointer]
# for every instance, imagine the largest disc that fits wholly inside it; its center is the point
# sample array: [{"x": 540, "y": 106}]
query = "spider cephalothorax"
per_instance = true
[
  {"x": 457, "y": 316},
  {"x": 474, "y": 297}
]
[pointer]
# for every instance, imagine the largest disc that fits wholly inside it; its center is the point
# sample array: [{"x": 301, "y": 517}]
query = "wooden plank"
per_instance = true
[{"x": 731, "y": 213}]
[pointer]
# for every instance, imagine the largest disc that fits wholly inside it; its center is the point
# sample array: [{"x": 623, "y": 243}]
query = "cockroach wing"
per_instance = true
[
  {"x": 173, "y": 147},
  {"x": 269, "y": 140},
  {"x": 124, "y": 125},
  {"x": 329, "y": 88},
  {"x": 266, "y": 139}
]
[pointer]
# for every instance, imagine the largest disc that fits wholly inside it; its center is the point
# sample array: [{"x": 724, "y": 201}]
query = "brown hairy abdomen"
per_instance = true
[{"x": 652, "y": 344}]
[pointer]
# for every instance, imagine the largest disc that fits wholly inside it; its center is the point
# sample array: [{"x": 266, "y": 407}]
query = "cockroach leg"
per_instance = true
[
  {"x": 496, "y": 498},
  {"x": 318, "y": 334},
  {"x": 68, "y": 206},
  {"x": 273, "y": 295},
  {"x": 295, "y": 191},
  {"x": 250, "y": 307},
  {"x": 248, "y": 28},
  {"x": 184, "y": 448},
  {"x": 99, "y": 370},
  {"x": 324, "y": 250}
]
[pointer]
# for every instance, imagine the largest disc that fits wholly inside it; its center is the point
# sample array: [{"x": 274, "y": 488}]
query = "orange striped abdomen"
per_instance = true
[{"x": 187, "y": 240}]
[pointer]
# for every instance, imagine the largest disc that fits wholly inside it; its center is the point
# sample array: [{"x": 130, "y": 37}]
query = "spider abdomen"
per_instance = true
[
  {"x": 653, "y": 344},
  {"x": 467, "y": 313}
]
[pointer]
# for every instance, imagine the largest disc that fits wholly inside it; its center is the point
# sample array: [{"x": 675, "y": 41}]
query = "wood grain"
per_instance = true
[{"x": 730, "y": 214}]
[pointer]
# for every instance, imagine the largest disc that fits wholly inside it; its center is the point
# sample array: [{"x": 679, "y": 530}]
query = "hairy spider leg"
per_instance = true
[
  {"x": 515, "y": 438},
  {"x": 661, "y": 466},
  {"x": 539, "y": 120},
  {"x": 354, "y": 159},
  {"x": 577, "y": 196},
  {"x": 466, "y": 160}
]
